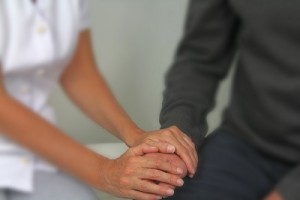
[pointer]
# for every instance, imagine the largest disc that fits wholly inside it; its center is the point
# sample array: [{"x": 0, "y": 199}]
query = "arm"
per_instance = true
[
  {"x": 86, "y": 87},
  {"x": 202, "y": 60},
  {"x": 34, "y": 133},
  {"x": 22, "y": 125}
]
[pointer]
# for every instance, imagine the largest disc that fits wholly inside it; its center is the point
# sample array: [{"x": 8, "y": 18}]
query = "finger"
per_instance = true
[
  {"x": 152, "y": 188},
  {"x": 182, "y": 149},
  {"x": 167, "y": 185},
  {"x": 160, "y": 176},
  {"x": 187, "y": 142},
  {"x": 192, "y": 145},
  {"x": 161, "y": 164},
  {"x": 164, "y": 147},
  {"x": 133, "y": 194},
  {"x": 185, "y": 154},
  {"x": 184, "y": 136},
  {"x": 143, "y": 149},
  {"x": 191, "y": 149},
  {"x": 189, "y": 145},
  {"x": 195, "y": 153}
]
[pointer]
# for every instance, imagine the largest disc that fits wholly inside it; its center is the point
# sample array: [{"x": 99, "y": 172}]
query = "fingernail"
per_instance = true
[
  {"x": 193, "y": 172},
  {"x": 171, "y": 149},
  {"x": 180, "y": 182},
  {"x": 179, "y": 170},
  {"x": 191, "y": 175},
  {"x": 159, "y": 198},
  {"x": 170, "y": 192}
]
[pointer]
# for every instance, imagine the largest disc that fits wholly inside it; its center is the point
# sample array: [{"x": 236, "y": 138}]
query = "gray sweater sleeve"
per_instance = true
[
  {"x": 289, "y": 186},
  {"x": 202, "y": 60}
]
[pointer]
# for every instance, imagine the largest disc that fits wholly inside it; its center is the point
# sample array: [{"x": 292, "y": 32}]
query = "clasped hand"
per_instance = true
[
  {"x": 184, "y": 147},
  {"x": 136, "y": 174},
  {"x": 153, "y": 167}
]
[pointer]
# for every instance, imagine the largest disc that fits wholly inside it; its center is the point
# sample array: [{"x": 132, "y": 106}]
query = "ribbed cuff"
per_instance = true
[{"x": 184, "y": 119}]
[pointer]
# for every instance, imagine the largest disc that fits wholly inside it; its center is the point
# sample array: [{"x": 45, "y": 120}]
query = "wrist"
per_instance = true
[
  {"x": 96, "y": 171},
  {"x": 103, "y": 183},
  {"x": 132, "y": 136}
]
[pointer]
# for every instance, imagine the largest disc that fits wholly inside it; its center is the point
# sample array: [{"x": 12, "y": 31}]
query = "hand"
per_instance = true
[
  {"x": 132, "y": 175},
  {"x": 170, "y": 158},
  {"x": 184, "y": 147},
  {"x": 274, "y": 196}
]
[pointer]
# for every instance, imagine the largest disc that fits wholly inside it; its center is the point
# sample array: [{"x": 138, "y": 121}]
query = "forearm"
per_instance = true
[
  {"x": 86, "y": 87},
  {"x": 203, "y": 58},
  {"x": 91, "y": 94},
  {"x": 31, "y": 131}
]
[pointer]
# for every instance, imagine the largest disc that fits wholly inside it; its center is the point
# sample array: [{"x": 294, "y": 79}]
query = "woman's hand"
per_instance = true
[
  {"x": 170, "y": 158},
  {"x": 133, "y": 175},
  {"x": 184, "y": 147}
]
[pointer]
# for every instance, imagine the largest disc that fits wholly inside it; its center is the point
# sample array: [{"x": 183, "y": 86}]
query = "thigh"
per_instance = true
[
  {"x": 58, "y": 186},
  {"x": 229, "y": 169}
]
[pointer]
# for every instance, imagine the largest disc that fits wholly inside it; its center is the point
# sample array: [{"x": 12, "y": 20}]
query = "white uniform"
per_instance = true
[{"x": 37, "y": 42}]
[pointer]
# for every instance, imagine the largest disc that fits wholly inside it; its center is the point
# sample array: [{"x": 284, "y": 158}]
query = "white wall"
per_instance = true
[{"x": 134, "y": 42}]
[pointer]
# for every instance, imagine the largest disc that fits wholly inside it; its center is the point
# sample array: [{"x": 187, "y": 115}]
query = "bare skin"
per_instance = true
[
  {"x": 141, "y": 173},
  {"x": 112, "y": 117},
  {"x": 274, "y": 195},
  {"x": 172, "y": 159},
  {"x": 86, "y": 88},
  {"x": 184, "y": 146}
]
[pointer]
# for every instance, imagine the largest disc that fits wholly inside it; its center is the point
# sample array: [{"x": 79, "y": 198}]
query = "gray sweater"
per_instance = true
[{"x": 265, "y": 101}]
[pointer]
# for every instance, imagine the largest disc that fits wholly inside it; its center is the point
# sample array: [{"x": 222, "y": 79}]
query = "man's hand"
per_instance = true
[
  {"x": 274, "y": 196},
  {"x": 133, "y": 175},
  {"x": 184, "y": 147}
]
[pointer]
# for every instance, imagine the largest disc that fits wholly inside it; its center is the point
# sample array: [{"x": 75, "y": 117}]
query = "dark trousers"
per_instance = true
[{"x": 231, "y": 169}]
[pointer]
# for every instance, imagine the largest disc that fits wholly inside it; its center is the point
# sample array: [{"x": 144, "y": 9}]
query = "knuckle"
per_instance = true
[
  {"x": 170, "y": 179},
  {"x": 167, "y": 133},
  {"x": 161, "y": 191},
  {"x": 157, "y": 163},
  {"x": 173, "y": 179},
  {"x": 154, "y": 175},
  {"x": 143, "y": 187},
  {"x": 149, "y": 141},
  {"x": 124, "y": 181}
]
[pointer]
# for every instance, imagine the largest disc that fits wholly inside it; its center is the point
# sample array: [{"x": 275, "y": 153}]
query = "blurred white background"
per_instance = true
[{"x": 134, "y": 43}]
